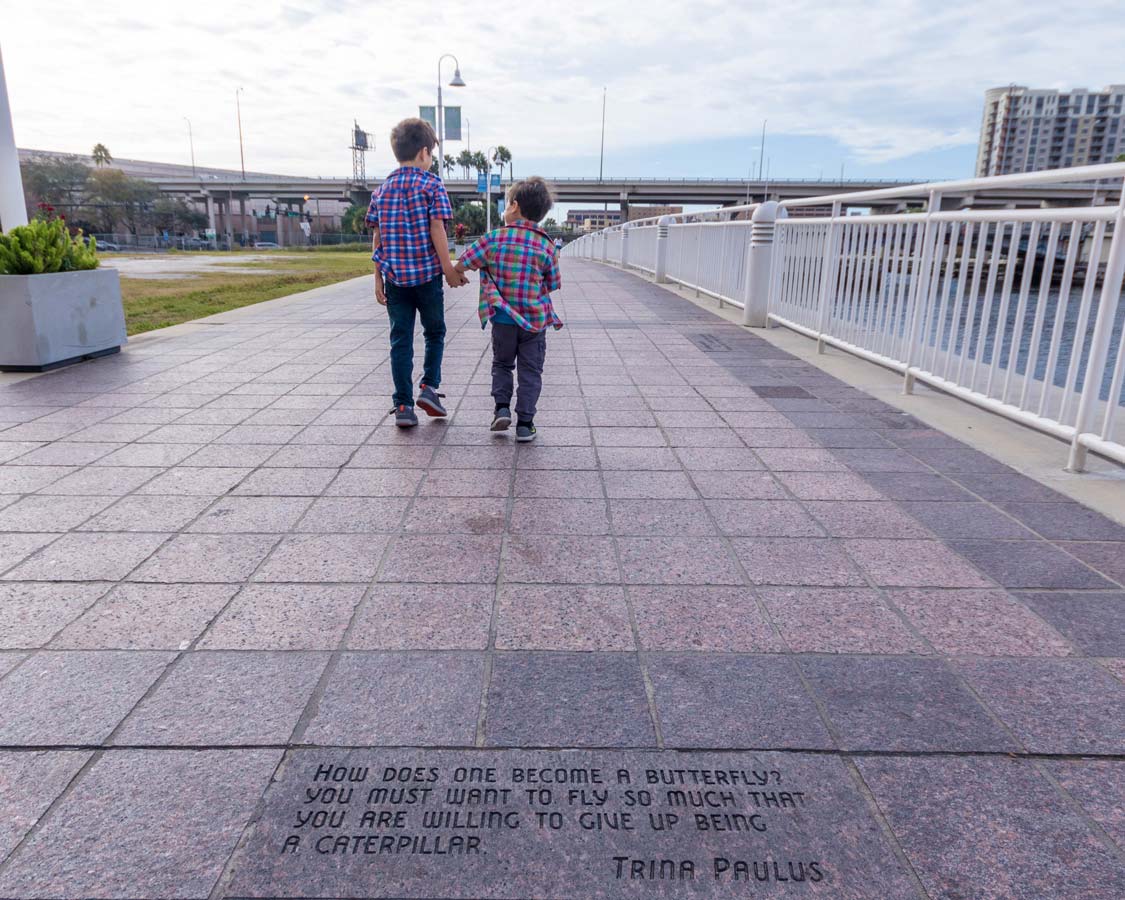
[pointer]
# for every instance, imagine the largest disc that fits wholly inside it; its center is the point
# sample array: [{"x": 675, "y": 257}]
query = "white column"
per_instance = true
[
  {"x": 759, "y": 263},
  {"x": 13, "y": 209},
  {"x": 661, "y": 265},
  {"x": 1099, "y": 342},
  {"x": 624, "y": 246}
]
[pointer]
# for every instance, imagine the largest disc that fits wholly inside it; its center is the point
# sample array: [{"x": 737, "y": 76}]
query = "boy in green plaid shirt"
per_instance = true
[{"x": 519, "y": 268}]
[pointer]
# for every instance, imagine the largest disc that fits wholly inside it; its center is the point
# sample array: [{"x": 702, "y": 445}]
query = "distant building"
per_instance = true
[
  {"x": 649, "y": 212},
  {"x": 1027, "y": 130},
  {"x": 595, "y": 219}
]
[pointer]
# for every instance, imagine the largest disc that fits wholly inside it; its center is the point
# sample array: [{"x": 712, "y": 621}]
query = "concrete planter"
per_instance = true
[{"x": 51, "y": 320}]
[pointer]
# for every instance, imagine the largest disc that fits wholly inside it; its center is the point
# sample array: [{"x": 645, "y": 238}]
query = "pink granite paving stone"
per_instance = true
[
  {"x": 828, "y": 486},
  {"x": 713, "y": 619},
  {"x": 392, "y": 699},
  {"x": 671, "y": 560},
  {"x": 284, "y": 617},
  {"x": 818, "y": 620},
  {"x": 29, "y": 782},
  {"x": 1098, "y": 786},
  {"x": 561, "y": 560},
  {"x": 661, "y": 517},
  {"x": 206, "y": 557},
  {"x": 225, "y": 697},
  {"x": 423, "y": 617},
  {"x": 796, "y": 561},
  {"x": 146, "y": 617},
  {"x": 1053, "y": 705},
  {"x": 991, "y": 828},
  {"x": 82, "y": 556},
  {"x": 449, "y": 558},
  {"x": 340, "y": 515},
  {"x": 978, "y": 623},
  {"x": 139, "y": 512},
  {"x": 125, "y": 798},
  {"x": 908, "y": 563},
  {"x": 865, "y": 519},
  {"x": 33, "y": 613},
  {"x": 539, "y": 617},
  {"x": 74, "y": 697},
  {"x": 763, "y": 518},
  {"x": 456, "y": 515}
]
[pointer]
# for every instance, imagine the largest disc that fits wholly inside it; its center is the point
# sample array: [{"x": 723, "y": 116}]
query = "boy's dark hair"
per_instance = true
[
  {"x": 410, "y": 136},
  {"x": 533, "y": 196}
]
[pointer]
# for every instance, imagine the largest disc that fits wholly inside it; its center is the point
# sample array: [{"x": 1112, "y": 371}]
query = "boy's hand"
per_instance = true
[
  {"x": 456, "y": 279},
  {"x": 380, "y": 294}
]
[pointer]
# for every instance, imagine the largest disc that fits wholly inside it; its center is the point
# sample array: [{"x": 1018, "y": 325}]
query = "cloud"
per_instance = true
[{"x": 887, "y": 79}]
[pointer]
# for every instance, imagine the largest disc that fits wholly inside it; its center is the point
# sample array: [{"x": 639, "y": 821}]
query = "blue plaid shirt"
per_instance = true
[{"x": 401, "y": 209}]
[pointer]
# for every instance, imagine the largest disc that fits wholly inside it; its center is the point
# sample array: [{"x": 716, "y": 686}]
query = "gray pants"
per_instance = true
[{"x": 513, "y": 347}]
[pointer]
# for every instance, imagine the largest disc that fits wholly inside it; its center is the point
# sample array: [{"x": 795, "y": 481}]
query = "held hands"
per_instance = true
[{"x": 455, "y": 278}]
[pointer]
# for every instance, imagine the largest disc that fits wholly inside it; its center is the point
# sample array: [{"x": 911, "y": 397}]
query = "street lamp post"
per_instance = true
[
  {"x": 13, "y": 210},
  {"x": 456, "y": 81},
  {"x": 191, "y": 144},
  {"x": 488, "y": 154},
  {"x": 241, "y": 153}
]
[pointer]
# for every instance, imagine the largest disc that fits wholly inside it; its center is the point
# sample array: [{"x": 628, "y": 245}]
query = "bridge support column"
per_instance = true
[
  {"x": 759, "y": 264},
  {"x": 624, "y": 206},
  {"x": 661, "y": 265}
]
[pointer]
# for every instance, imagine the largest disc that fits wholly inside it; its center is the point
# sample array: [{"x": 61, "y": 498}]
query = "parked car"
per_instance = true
[
  {"x": 106, "y": 245},
  {"x": 266, "y": 245}
]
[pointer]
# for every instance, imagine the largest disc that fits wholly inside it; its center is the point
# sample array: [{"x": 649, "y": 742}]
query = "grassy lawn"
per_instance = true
[{"x": 152, "y": 303}]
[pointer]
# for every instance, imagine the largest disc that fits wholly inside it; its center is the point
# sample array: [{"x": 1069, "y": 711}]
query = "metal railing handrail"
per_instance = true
[{"x": 1074, "y": 175}]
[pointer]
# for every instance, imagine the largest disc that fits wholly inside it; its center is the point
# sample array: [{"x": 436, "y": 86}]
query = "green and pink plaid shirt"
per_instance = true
[{"x": 518, "y": 270}]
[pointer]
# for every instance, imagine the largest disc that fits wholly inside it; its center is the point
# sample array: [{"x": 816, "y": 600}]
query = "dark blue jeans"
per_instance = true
[{"x": 428, "y": 301}]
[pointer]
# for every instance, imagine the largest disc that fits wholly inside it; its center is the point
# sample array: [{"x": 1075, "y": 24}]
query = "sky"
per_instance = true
[{"x": 882, "y": 88}]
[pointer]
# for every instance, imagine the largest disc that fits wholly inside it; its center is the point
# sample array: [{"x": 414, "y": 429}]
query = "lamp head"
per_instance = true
[{"x": 457, "y": 81}]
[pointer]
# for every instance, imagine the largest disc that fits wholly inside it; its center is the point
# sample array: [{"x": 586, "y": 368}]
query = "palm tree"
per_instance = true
[
  {"x": 465, "y": 160},
  {"x": 503, "y": 157},
  {"x": 102, "y": 156},
  {"x": 450, "y": 164},
  {"x": 480, "y": 162}
]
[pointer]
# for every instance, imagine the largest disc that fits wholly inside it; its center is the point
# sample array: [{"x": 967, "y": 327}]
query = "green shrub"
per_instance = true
[{"x": 44, "y": 246}]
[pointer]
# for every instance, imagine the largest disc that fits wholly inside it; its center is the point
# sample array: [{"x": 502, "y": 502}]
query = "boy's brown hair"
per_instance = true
[
  {"x": 533, "y": 196},
  {"x": 410, "y": 137}
]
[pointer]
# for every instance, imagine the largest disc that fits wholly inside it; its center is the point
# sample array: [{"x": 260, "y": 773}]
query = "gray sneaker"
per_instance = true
[
  {"x": 430, "y": 401},
  {"x": 404, "y": 417},
  {"x": 525, "y": 434},
  {"x": 502, "y": 419}
]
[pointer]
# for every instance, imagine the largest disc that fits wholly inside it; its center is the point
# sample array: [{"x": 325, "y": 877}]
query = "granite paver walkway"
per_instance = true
[{"x": 218, "y": 556}]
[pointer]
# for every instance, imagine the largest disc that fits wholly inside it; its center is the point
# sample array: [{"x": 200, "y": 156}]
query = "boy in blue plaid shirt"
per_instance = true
[{"x": 411, "y": 251}]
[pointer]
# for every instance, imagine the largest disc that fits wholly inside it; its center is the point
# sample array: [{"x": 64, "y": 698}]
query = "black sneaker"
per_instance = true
[
  {"x": 404, "y": 416},
  {"x": 525, "y": 432},
  {"x": 501, "y": 419},
  {"x": 430, "y": 401}
]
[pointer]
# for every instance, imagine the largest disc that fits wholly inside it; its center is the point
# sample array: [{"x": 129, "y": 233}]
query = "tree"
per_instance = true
[
  {"x": 450, "y": 164},
  {"x": 549, "y": 224},
  {"x": 465, "y": 160},
  {"x": 352, "y": 221},
  {"x": 471, "y": 215},
  {"x": 57, "y": 180},
  {"x": 480, "y": 162},
  {"x": 1120, "y": 157},
  {"x": 121, "y": 199},
  {"x": 101, "y": 154},
  {"x": 503, "y": 157},
  {"x": 177, "y": 216}
]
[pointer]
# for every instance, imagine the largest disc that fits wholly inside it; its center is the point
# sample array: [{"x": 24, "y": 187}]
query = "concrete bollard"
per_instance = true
[
  {"x": 661, "y": 264},
  {"x": 759, "y": 261}
]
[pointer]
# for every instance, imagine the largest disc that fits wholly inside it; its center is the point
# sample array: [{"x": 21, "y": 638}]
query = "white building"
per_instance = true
[{"x": 1025, "y": 130}]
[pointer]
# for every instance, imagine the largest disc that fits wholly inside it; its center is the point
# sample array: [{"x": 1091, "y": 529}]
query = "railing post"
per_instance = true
[
  {"x": 661, "y": 264},
  {"x": 605, "y": 245},
  {"x": 832, "y": 245},
  {"x": 759, "y": 260},
  {"x": 624, "y": 246},
  {"x": 920, "y": 289},
  {"x": 1099, "y": 343}
]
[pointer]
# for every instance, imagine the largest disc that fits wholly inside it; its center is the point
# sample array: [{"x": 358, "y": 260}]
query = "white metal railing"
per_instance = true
[{"x": 1018, "y": 311}]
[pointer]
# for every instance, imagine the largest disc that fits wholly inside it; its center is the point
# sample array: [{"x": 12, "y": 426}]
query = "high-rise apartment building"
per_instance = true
[{"x": 1025, "y": 130}]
